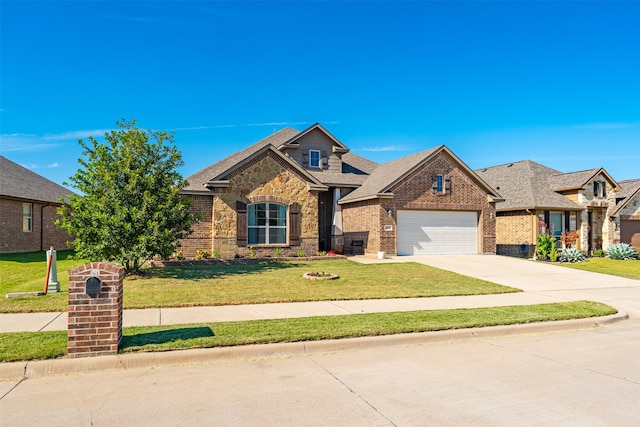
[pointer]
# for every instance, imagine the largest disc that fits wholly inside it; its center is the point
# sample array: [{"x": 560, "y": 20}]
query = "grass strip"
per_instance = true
[
  {"x": 615, "y": 267},
  {"x": 44, "y": 345}
]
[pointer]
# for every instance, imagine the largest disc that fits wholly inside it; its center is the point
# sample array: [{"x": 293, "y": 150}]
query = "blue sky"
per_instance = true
[{"x": 554, "y": 82}]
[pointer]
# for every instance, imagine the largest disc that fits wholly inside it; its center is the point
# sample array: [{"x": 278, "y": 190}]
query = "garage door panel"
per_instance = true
[
  {"x": 630, "y": 232},
  {"x": 437, "y": 232}
]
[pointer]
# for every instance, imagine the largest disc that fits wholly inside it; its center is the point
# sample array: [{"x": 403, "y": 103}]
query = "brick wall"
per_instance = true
[
  {"x": 95, "y": 322},
  {"x": 361, "y": 221},
  {"x": 13, "y": 239},
  {"x": 514, "y": 233},
  {"x": 200, "y": 239}
]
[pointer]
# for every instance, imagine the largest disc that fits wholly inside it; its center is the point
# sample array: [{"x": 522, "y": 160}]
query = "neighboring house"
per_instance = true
[
  {"x": 305, "y": 191},
  {"x": 540, "y": 199},
  {"x": 28, "y": 204},
  {"x": 626, "y": 214}
]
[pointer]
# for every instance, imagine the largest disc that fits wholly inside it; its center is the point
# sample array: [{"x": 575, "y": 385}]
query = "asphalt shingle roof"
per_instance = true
[
  {"x": 20, "y": 183},
  {"x": 527, "y": 184},
  {"x": 386, "y": 174},
  {"x": 630, "y": 188},
  {"x": 200, "y": 178}
]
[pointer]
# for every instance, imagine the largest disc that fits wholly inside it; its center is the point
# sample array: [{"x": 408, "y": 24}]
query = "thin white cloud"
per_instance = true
[
  {"x": 77, "y": 134},
  {"x": 53, "y": 165},
  {"x": 12, "y": 142}
]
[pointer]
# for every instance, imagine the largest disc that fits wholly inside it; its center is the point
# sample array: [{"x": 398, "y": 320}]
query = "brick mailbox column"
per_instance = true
[{"x": 95, "y": 309}]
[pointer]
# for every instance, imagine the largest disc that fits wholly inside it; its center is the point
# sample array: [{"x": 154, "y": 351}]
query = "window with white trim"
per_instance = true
[
  {"x": 266, "y": 224},
  {"x": 314, "y": 158},
  {"x": 27, "y": 217}
]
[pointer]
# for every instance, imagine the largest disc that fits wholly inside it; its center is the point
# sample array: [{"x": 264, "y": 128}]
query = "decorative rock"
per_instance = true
[{"x": 319, "y": 275}]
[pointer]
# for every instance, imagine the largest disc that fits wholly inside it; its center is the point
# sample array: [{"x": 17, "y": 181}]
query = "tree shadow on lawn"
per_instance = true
[
  {"x": 217, "y": 270},
  {"x": 162, "y": 337},
  {"x": 38, "y": 256}
]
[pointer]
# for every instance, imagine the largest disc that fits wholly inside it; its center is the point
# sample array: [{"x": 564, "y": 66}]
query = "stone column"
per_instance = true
[{"x": 95, "y": 309}]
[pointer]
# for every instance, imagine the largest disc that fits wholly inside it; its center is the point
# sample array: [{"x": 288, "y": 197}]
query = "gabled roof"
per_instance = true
[
  {"x": 386, "y": 175},
  {"x": 630, "y": 189},
  {"x": 17, "y": 182},
  {"x": 527, "y": 185},
  {"x": 578, "y": 180},
  {"x": 201, "y": 181},
  {"x": 355, "y": 171},
  {"x": 294, "y": 141}
]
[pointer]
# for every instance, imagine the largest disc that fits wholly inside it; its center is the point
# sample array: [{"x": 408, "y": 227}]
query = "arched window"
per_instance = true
[{"x": 266, "y": 224}]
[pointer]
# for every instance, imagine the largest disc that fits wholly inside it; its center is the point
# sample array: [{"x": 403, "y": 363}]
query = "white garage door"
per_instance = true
[{"x": 437, "y": 232}]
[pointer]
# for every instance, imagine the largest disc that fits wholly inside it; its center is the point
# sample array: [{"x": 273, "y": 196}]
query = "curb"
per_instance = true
[{"x": 32, "y": 369}]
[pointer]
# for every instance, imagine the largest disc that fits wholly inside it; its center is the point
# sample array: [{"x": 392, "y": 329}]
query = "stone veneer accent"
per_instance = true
[
  {"x": 266, "y": 178},
  {"x": 95, "y": 322}
]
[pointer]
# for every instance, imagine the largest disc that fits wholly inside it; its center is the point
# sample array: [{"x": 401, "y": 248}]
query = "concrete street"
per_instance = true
[{"x": 583, "y": 377}]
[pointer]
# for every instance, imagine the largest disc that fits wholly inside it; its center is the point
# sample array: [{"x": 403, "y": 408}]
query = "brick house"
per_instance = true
[
  {"x": 28, "y": 204},
  {"x": 536, "y": 196},
  {"x": 305, "y": 191},
  {"x": 626, "y": 214}
]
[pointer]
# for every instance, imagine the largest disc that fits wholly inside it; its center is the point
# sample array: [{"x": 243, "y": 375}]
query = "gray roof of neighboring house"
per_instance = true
[
  {"x": 528, "y": 185},
  {"x": 576, "y": 180},
  {"x": 630, "y": 190},
  {"x": 18, "y": 182}
]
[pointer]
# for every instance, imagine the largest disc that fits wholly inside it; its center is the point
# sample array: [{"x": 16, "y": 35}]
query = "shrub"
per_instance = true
[
  {"x": 553, "y": 252},
  {"x": 569, "y": 238},
  {"x": 621, "y": 251},
  {"x": 216, "y": 255},
  {"x": 544, "y": 245},
  {"x": 202, "y": 254},
  {"x": 572, "y": 255},
  {"x": 277, "y": 251},
  {"x": 598, "y": 253},
  {"x": 301, "y": 253},
  {"x": 322, "y": 253},
  {"x": 179, "y": 256},
  {"x": 252, "y": 252}
]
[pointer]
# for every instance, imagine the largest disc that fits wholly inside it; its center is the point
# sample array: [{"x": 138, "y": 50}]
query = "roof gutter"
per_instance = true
[{"x": 364, "y": 198}]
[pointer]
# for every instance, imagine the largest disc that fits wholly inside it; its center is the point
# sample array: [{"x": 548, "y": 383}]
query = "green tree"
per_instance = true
[{"x": 132, "y": 209}]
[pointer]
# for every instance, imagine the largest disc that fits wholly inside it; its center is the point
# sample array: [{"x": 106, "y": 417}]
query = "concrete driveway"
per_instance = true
[{"x": 556, "y": 282}]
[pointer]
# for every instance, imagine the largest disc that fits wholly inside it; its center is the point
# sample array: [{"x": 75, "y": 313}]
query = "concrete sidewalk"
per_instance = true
[{"x": 35, "y": 322}]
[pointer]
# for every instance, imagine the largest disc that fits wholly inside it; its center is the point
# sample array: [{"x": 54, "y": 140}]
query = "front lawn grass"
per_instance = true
[
  {"x": 268, "y": 282},
  {"x": 44, "y": 345},
  {"x": 27, "y": 272},
  {"x": 615, "y": 267}
]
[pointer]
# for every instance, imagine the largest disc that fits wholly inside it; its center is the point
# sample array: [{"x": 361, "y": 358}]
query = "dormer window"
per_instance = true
[{"x": 314, "y": 158}]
